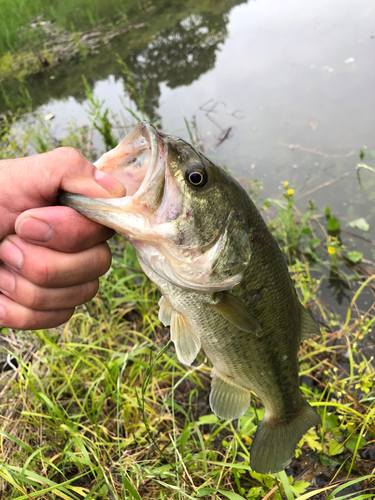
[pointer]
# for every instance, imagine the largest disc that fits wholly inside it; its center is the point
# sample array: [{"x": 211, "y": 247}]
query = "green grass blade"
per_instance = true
[
  {"x": 348, "y": 484},
  {"x": 211, "y": 491},
  {"x": 286, "y": 485},
  {"x": 17, "y": 441},
  {"x": 131, "y": 489}
]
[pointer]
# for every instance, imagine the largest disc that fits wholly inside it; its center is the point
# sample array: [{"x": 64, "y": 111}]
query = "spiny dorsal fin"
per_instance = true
[
  {"x": 186, "y": 341},
  {"x": 309, "y": 327},
  {"x": 165, "y": 311},
  {"x": 235, "y": 311}
]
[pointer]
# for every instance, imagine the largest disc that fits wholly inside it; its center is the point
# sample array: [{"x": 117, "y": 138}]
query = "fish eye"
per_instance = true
[{"x": 196, "y": 176}]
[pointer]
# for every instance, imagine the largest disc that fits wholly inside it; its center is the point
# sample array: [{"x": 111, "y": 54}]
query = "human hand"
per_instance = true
[{"x": 50, "y": 256}]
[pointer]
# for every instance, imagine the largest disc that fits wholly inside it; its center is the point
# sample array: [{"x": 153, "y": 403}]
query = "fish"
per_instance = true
[{"x": 224, "y": 283}]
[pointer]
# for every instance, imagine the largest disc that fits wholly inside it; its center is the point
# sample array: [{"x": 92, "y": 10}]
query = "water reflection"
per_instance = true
[
  {"x": 338, "y": 286},
  {"x": 176, "y": 55}
]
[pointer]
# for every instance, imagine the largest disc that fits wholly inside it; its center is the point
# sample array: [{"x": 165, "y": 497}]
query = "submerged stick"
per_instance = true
[
  {"x": 328, "y": 183},
  {"x": 313, "y": 151}
]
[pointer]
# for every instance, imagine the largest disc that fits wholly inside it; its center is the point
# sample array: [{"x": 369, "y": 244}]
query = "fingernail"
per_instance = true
[
  {"x": 109, "y": 183},
  {"x": 11, "y": 254},
  {"x": 7, "y": 280},
  {"x": 35, "y": 229},
  {"x": 2, "y": 312}
]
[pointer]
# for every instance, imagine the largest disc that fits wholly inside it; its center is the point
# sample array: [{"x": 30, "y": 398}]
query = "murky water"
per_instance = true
[{"x": 291, "y": 84}]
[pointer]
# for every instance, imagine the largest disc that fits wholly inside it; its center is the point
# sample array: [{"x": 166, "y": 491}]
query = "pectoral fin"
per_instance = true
[
  {"x": 227, "y": 399},
  {"x": 186, "y": 341},
  {"x": 165, "y": 311},
  {"x": 235, "y": 311},
  {"x": 309, "y": 327}
]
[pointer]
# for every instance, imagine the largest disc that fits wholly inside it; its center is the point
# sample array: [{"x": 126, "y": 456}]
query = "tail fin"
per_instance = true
[{"x": 274, "y": 443}]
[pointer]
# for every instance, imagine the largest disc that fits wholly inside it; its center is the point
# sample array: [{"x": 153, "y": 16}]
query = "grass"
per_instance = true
[
  {"x": 57, "y": 47},
  {"x": 38, "y": 36},
  {"x": 100, "y": 408},
  {"x": 16, "y": 30}
]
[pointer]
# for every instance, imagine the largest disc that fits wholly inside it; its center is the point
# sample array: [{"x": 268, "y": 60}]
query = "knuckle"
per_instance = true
[
  {"x": 92, "y": 289},
  {"x": 40, "y": 273},
  {"x": 71, "y": 155},
  {"x": 99, "y": 260},
  {"x": 35, "y": 320},
  {"x": 104, "y": 259},
  {"x": 24, "y": 319},
  {"x": 33, "y": 298},
  {"x": 30, "y": 321},
  {"x": 89, "y": 292}
]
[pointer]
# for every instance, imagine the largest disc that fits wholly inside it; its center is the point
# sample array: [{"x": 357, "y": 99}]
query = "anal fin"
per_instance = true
[
  {"x": 165, "y": 311},
  {"x": 227, "y": 399},
  {"x": 185, "y": 339}
]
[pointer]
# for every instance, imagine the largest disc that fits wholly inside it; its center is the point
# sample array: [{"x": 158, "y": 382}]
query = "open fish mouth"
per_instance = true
[
  {"x": 158, "y": 214},
  {"x": 139, "y": 163}
]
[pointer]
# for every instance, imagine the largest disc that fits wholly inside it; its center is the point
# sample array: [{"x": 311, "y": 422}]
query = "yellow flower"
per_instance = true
[
  {"x": 285, "y": 183},
  {"x": 290, "y": 191},
  {"x": 331, "y": 250}
]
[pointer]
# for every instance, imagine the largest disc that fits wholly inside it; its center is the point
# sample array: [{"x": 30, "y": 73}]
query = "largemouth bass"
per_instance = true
[{"x": 224, "y": 282}]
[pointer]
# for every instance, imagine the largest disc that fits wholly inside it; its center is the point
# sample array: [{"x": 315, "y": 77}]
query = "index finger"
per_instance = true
[{"x": 60, "y": 228}]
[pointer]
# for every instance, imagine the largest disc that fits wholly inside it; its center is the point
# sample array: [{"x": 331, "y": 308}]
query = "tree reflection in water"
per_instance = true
[{"x": 176, "y": 48}]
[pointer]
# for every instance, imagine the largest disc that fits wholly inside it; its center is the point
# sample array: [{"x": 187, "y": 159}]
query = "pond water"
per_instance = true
[{"x": 290, "y": 85}]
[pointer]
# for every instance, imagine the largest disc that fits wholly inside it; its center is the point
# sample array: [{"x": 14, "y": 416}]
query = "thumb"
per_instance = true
[
  {"x": 36, "y": 181},
  {"x": 65, "y": 169}
]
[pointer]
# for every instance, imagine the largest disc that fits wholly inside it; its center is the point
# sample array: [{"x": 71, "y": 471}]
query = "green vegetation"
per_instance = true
[
  {"x": 55, "y": 47},
  {"x": 43, "y": 36},
  {"x": 100, "y": 407},
  {"x": 24, "y": 22}
]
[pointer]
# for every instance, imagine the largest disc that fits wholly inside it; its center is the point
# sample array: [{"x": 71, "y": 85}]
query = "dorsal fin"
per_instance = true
[{"x": 309, "y": 327}]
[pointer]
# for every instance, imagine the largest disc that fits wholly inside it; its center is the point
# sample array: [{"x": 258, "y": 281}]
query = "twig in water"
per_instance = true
[
  {"x": 356, "y": 265},
  {"x": 328, "y": 183},
  {"x": 224, "y": 135},
  {"x": 236, "y": 114},
  {"x": 372, "y": 242},
  {"x": 314, "y": 151},
  {"x": 366, "y": 167},
  {"x": 212, "y": 109}
]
